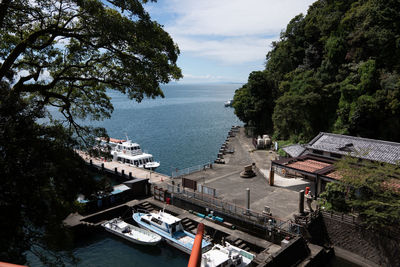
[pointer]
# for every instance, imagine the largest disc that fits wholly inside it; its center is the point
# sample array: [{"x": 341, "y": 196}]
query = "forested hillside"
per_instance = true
[{"x": 335, "y": 69}]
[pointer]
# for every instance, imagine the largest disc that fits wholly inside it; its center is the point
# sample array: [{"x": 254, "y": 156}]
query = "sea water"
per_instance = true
[{"x": 184, "y": 129}]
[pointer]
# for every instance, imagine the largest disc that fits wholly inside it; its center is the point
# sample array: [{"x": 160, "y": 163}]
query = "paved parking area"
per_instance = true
[{"x": 225, "y": 178}]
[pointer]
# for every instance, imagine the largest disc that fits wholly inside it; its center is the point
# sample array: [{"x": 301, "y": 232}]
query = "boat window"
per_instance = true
[
  {"x": 156, "y": 220},
  {"x": 144, "y": 220},
  {"x": 136, "y": 162},
  {"x": 140, "y": 162}
]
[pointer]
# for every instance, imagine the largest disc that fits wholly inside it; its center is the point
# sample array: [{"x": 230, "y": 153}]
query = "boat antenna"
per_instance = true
[{"x": 127, "y": 138}]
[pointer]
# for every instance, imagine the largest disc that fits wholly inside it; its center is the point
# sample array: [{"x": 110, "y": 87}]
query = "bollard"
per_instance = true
[
  {"x": 301, "y": 201},
  {"x": 130, "y": 175},
  {"x": 115, "y": 170},
  {"x": 248, "y": 199},
  {"x": 267, "y": 210},
  {"x": 102, "y": 166},
  {"x": 122, "y": 172},
  {"x": 91, "y": 162},
  {"x": 271, "y": 177}
]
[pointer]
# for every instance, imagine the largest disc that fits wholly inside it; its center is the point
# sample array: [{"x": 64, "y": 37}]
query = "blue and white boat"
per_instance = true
[{"x": 169, "y": 228}]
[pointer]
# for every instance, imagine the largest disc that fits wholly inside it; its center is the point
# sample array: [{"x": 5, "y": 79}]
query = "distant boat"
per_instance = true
[
  {"x": 127, "y": 152},
  {"x": 170, "y": 228},
  {"x": 227, "y": 255},
  {"x": 131, "y": 233},
  {"x": 228, "y": 103}
]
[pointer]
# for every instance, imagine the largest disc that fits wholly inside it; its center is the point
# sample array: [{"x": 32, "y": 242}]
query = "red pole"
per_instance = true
[
  {"x": 195, "y": 256},
  {"x": 6, "y": 264}
]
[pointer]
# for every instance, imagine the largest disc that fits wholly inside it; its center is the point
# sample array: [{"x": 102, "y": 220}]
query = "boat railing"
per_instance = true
[{"x": 138, "y": 210}]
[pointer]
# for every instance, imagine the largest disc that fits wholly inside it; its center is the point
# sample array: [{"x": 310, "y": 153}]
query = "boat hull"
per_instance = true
[
  {"x": 177, "y": 242},
  {"x": 135, "y": 235},
  {"x": 132, "y": 239}
]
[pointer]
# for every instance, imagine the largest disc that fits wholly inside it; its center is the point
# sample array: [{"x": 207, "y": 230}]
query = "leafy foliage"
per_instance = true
[
  {"x": 65, "y": 55},
  {"x": 336, "y": 70},
  {"x": 254, "y": 100},
  {"x": 371, "y": 189}
]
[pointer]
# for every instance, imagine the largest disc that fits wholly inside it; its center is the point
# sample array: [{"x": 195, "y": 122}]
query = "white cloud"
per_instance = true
[
  {"x": 228, "y": 31},
  {"x": 233, "y": 17},
  {"x": 231, "y": 37},
  {"x": 234, "y": 50}
]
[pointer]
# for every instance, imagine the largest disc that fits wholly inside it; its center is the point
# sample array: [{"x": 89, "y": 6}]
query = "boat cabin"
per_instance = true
[
  {"x": 129, "y": 148},
  {"x": 163, "y": 221},
  {"x": 137, "y": 161}
]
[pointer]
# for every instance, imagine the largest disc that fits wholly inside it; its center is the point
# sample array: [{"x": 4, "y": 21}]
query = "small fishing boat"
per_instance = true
[
  {"x": 227, "y": 255},
  {"x": 170, "y": 228},
  {"x": 131, "y": 233}
]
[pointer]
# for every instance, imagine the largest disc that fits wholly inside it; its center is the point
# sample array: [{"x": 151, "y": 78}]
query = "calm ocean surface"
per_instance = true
[{"x": 184, "y": 129}]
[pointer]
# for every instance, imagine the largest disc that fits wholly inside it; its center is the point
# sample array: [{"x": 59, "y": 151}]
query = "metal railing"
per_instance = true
[
  {"x": 262, "y": 219},
  {"x": 347, "y": 218},
  {"x": 179, "y": 173}
]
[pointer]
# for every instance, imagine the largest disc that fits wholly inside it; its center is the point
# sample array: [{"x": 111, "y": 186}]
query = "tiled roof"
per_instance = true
[
  {"x": 335, "y": 175},
  {"x": 294, "y": 150},
  {"x": 365, "y": 148},
  {"x": 309, "y": 165}
]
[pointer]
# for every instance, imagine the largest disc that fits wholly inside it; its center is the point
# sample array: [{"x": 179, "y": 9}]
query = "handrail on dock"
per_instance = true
[
  {"x": 263, "y": 219},
  {"x": 179, "y": 173}
]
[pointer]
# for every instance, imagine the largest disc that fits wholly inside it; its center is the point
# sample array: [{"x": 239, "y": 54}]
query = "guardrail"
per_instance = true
[
  {"x": 179, "y": 173},
  {"x": 263, "y": 220},
  {"x": 347, "y": 218}
]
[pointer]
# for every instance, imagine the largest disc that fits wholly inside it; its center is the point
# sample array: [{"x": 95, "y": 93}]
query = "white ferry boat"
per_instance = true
[
  {"x": 127, "y": 152},
  {"x": 170, "y": 228},
  {"x": 131, "y": 233},
  {"x": 227, "y": 255},
  {"x": 228, "y": 103}
]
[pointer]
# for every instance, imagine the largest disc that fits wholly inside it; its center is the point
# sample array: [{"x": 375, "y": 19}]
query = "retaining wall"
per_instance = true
[{"x": 380, "y": 247}]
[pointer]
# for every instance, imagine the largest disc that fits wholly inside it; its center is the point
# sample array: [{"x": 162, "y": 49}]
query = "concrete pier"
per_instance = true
[
  {"x": 229, "y": 186},
  {"x": 265, "y": 232},
  {"x": 266, "y": 253},
  {"x": 124, "y": 169}
]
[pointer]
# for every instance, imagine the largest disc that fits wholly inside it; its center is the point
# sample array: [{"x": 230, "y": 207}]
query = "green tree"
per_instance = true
[
  {"x": 370, "y": 189},
  {"x": 344, "y": 53},
  {"x": 254, "y": 102},
  {"x": 65, "y": 55}
]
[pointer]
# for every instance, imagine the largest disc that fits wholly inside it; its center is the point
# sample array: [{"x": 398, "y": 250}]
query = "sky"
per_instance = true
[{"x": 224, "y": 40}]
